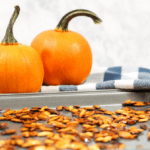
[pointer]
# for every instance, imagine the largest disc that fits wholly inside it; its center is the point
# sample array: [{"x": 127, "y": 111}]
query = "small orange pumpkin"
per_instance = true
[
  {"x": 21, "y": 68},
  {"x": 66, "y": 55}
]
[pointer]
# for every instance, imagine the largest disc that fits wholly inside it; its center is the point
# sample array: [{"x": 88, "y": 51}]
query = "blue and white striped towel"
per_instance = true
[{"x": 131, "y": 78}]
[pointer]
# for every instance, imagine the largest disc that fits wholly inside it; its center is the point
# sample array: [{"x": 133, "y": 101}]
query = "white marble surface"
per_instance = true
[{"x": 122, "y": 39}]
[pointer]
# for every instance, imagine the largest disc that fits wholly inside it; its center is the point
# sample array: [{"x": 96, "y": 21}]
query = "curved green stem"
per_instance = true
[
  {"x": 9, "y": 37},
  {"x": 63, "y": 24}
]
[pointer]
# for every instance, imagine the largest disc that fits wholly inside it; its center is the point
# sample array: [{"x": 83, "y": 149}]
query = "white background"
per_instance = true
[{"x": 123, "y": 39}]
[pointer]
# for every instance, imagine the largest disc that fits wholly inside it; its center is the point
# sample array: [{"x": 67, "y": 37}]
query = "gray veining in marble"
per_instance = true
[{"x": 122, "y": 39}]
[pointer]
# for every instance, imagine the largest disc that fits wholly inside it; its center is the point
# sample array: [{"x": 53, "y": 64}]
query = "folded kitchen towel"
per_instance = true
[{"x": 135, "y": 78}]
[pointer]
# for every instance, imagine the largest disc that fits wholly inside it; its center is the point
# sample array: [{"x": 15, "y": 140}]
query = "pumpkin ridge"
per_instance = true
[
  {"x": 20, "y": 50},
  {"x": 6, "y": 70}
]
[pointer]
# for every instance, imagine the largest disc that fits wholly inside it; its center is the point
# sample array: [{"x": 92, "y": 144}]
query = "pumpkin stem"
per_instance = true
[
  {"x": 9, "y": 37},
  {"x": 63, "y": 24}
]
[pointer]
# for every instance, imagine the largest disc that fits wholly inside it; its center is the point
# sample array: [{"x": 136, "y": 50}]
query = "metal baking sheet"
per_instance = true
[{"x": 108, "y": 99}]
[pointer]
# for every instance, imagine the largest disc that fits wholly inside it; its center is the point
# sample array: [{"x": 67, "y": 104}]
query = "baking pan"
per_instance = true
[{"x": 107, "y": 99}]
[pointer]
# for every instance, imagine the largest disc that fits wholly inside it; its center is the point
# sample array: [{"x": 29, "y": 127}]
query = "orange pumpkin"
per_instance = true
[
  {"x": 21, "y": 68},
  {"x": 66, "y": 55}
]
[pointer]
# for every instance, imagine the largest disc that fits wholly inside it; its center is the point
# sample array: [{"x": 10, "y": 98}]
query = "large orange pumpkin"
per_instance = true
[
  {"x": 21, "y": 68},
  {"x": 66, "y": 55}
]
